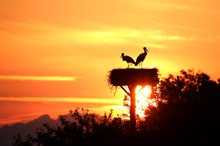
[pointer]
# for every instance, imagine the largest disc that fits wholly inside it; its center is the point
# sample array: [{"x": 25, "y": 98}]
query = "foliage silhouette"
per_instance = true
[
  {"x": 83, "y": 128},
  {"x": 188, "y": 110},
  {"x": 187, "y": 113}
]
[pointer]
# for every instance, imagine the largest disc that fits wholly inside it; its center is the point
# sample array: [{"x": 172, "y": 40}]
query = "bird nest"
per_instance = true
[{"x": 133, "y": 76}]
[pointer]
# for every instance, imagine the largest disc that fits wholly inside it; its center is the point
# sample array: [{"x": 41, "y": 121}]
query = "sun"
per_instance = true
[{"x": 142, "y": 99}]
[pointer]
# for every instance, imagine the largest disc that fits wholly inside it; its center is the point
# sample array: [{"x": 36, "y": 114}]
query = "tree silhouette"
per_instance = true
[
  {"x": 188, "y": 109},
  {"x": 80, "y": 128},
  {"x": 187, "y": 112}
]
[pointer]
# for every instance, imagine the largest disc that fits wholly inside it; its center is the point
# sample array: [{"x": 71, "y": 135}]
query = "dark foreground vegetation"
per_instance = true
[{"x": 188, "y": 113}]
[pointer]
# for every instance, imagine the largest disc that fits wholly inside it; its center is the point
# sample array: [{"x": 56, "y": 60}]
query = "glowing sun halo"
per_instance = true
[{"x": 142, "y": 99}]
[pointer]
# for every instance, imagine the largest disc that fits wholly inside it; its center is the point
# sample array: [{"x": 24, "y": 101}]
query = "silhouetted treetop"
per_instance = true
[{"x": 188, "y": 109}]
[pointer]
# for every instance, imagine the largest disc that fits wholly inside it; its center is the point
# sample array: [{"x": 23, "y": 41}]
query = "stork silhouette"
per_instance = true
[
  {"x": 128, "y": 59},
  {"x": 141, "y": 57}
]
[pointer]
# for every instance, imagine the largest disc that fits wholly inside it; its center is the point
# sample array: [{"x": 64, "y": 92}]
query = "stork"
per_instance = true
[
  {"x": 128, "y": 59},
  {"x": 141, "y": 57}
]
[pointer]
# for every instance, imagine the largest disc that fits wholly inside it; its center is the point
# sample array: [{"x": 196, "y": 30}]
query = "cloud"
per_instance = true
[
  {"x": 169, "y": 5},
  {"x": 168, "y": 37},
  {"x": 53, "y": 35},
  {"x": 164, "y": 36},
  {"x": 63, "y": 99},
  {"x": 37, "y": 78}
]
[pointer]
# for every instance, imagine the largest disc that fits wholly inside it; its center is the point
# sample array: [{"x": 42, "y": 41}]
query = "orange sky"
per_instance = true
[{"x": 66, "y": 48}]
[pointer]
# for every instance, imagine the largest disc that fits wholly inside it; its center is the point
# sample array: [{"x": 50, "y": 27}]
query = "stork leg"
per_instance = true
[
  {"x": 139, "y": 65},
  {"x": 129, "y": 65}
]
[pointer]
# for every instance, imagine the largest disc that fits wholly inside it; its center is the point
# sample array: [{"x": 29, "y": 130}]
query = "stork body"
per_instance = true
[
  {"x": 141, "y": 57},
  {"x": 128, "y": 59}
]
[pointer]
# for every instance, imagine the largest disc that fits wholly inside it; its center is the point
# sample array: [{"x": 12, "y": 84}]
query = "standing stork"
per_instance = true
[
  {"x": 141, "y": 57},
  {"x": 128, "y": 59}
]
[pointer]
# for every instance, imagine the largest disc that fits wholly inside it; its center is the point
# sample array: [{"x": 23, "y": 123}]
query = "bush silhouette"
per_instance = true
[
  {"x": 187, "y": 113},
  {"x": 80, "y": 128}
]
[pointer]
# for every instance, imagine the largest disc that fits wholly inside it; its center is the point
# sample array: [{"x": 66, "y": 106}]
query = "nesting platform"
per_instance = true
[{"x": 134, "y": 76}]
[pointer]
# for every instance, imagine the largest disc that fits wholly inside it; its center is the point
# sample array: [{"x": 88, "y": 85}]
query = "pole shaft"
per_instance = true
[{"x": 132, "y": 110}]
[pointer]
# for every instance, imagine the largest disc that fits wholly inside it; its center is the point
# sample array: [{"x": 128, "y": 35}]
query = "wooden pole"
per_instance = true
[
  {"x": 132, "y": 111},
  {"x": 132, "y": 77}
]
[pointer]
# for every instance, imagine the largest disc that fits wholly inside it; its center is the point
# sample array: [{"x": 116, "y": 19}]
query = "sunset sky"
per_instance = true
[{"x": 66, "y": 48}]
